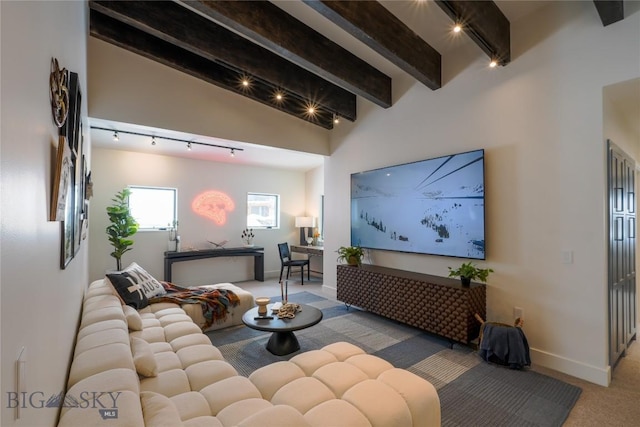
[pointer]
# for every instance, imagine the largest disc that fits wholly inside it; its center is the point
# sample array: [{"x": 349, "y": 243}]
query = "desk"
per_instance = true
[
  {"x": 309, "y": 250},
  {"x": 256, "y": 252}
]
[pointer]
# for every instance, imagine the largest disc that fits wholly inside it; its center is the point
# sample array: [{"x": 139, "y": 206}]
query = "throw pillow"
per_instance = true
[
  {"x": 129, "y": 292},
  {"x": 143, "y": 358},
  {"x": 138, "y": 276},
  {"x": 133, "y": 318},
  {"x": 150, "y": 286},
  {"x": 159, "y": 410}
]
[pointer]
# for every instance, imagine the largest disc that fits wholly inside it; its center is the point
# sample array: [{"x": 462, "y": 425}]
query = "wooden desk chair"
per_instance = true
[{"x": 286, "y": 261}]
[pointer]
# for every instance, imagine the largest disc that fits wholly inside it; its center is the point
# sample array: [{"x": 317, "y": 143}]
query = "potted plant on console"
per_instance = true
[
  {"x": 468, "y": 272},
  {"x": 123, "y": 225},
  {"x": 352, "y": 255}
]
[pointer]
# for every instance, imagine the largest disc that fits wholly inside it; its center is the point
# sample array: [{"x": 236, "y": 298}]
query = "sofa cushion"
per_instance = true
[
  {"x": 233, "y": 414},
  {"x": 202, "y": 374},
  {"x": 134, "y": 321},
  {"x": 338, "y": 413},
  {"x": 414, "y": 391},
  {"x": 286, "y": 416},
  {"x": 271, "y": 378},
  {"x": 380, "y": 403},
  {"x": 303, "y": 394},
  {"x": 208, "y": 421},
  {"x": 191, "y": 405},
  {"x": 340, "y": 377},
  {"x": 101, "y": 338},
  {"x": 159, "y": 410},
  {"x": 143, "y": 358},
  {"x": 228, "y": 391},
  {"x": 169, "y": 383},
  {"x": 100, "y": 359}
]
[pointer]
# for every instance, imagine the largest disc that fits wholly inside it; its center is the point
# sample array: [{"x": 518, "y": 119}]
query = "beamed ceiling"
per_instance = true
[{"x": 224, "y": 42}]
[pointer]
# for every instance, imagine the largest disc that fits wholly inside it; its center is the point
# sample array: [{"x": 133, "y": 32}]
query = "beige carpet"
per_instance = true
[{"x": 617, "y": 405}]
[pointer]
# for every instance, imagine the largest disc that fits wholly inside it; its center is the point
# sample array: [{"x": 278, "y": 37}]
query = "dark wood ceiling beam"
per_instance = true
[
  {"x": 122, "y": 35},
  {"x": 178, "y": 26},
  {"x": 382, "y": 31},
  {"x": 610, "y": 11},
  {"x": 485, "y": 24},
  {"x": 271, "y": 27}
]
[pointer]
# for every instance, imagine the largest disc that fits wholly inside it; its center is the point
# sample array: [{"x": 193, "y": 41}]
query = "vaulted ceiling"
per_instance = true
[{"x": 258, "y": 50}]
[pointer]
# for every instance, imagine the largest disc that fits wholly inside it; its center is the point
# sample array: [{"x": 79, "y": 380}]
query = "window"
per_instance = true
[
  {"x": 263, "y": 210},
  {"x": 154, "y": 208}
]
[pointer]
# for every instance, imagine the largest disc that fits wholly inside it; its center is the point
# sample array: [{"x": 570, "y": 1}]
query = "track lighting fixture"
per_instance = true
[
  {"x": 336, "y": 119},
  {"x": 116, "y": 137},
  {"x": 457, "y": 27},
  {"x": 493, "y": 63}
]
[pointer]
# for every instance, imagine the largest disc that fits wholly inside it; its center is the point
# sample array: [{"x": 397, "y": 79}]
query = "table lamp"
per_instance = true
[{"x": 303, "y": 222}]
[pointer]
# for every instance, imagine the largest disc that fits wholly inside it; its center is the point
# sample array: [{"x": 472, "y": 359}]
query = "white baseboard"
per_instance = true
[
  {"x": 593, "y": 374},
  {"x": 330, "y": 291}
]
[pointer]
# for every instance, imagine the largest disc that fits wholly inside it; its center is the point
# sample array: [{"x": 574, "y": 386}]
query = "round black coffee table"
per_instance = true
[{"x": 283, "y": 341}]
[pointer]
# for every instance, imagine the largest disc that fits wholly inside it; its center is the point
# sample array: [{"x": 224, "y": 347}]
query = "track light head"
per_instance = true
[{"x": 116, "y": 137}]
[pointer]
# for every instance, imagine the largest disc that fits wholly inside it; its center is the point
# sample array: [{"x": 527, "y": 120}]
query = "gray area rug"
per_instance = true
[{"x": 472, "y": 392}]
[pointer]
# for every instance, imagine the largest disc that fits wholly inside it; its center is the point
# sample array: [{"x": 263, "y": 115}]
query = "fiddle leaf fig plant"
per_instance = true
[
  {"x": 352, "y": 255},
  {"x": 123, "y": 225}
]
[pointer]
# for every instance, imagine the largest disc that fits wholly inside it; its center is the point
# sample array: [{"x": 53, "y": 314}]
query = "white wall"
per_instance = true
[
  {"x": 540, "y": 120},
  {"x": 114, "y": 170},
  {"x": 40, "y": 303},
  {"x": 314, "y": 190}
]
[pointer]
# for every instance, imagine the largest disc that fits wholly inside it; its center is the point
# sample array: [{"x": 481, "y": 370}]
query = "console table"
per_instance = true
[
  {"x": 256, "y": 252},
  {"x": 436, "y": 304}
]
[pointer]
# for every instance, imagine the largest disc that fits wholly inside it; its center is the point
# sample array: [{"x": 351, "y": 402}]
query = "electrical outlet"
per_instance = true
[{"x": 518, "y": 312}]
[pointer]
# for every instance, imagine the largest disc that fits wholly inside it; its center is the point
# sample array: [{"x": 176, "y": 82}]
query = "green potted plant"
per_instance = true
[
  {"x": 123, "y": 225},
  {"x": 468, "y": 272},
  {"x": 352, "y": 255}
]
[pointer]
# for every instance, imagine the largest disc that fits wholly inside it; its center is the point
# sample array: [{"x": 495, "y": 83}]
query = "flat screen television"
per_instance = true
[{"x": 433, "y": 206}]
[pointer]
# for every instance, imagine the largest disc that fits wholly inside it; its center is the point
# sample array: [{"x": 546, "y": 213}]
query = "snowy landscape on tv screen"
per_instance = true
[{"x": 433, "y": 206}]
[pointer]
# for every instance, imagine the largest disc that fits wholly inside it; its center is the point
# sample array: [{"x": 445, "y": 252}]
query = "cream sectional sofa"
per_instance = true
[{"x": 156, "y": 368}]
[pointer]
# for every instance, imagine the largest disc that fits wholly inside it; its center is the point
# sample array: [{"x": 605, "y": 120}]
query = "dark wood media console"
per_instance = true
[{"x": 436, "y": 304}]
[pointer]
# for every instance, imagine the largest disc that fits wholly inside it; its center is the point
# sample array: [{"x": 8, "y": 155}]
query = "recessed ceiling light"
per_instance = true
[{"x": 457, "y": 28}]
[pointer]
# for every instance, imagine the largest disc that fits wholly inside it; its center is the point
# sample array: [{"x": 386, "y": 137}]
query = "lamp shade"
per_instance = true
[{"x": 304, "y": 221}]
